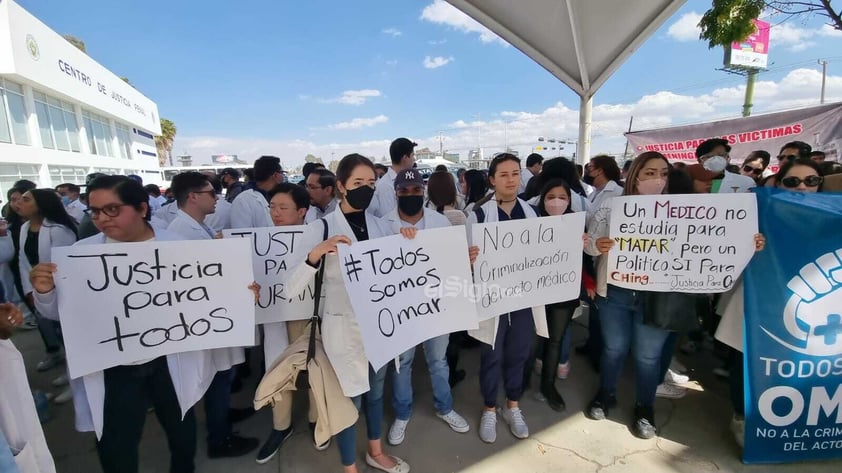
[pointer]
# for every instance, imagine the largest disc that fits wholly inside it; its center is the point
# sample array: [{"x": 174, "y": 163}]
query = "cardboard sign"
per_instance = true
[
  {"x": 681, "y": 243},
  {"x": 275, "y": 252},
  {"x": 128, "y": 302},
  {"x": 404, "y": 292},
  {"x": 527, "y": 263}
]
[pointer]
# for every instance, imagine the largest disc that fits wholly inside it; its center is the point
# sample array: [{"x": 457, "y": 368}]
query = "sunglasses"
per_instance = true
[
  {"x": 755, "y": 171},
  {"x": 787, "y": 157},
  {"x": 809, "y": 181}
]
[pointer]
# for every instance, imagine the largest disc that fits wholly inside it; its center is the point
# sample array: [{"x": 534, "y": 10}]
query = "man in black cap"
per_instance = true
[
  {"x": 402, "y": 152},
  {"x": 251, "y": 207},
  {"x": 230, "y": 179}
]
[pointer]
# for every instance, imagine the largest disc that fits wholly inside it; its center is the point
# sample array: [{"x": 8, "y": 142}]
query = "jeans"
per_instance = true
[
  {"x": 347, "y": 439},
  {"x": 435, "y": 350},
  {"x": 621, "y": 317},
  {"x": 550, "y": 350},
  {"x": 7, "y": 459},
  {"x": 512, "y": 346},
  {"x": 217, "y": 405},
  {"x": 50, "y": 331},
  {"x": 129, "y": 390}
]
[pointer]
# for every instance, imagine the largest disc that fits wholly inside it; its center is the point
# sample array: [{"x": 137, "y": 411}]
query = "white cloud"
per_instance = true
[
  {"x": 685, "y": 28},
  {"x": 434, "y": 42},
  {"x": 358, "y": 123},
  {"x": 392, "y": 62},
  {"x": 443, "y": 13},
  {"x": 436, "y": 62},
  {"x": 392, "y": 31},
  {"x": 354, "y": 97},
  {"x": 521, "y": 128}
]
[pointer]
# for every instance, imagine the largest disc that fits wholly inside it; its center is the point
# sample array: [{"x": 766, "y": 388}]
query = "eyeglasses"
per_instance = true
[
  {"x": 755, "y": 171},
  {"x": 109, "y": 210},
  {"x": 787, "y": 157},
  {"x": 314, "y": 188},
  {"x": 211, "y": 192},
  {"x": 809, "y": 181}
]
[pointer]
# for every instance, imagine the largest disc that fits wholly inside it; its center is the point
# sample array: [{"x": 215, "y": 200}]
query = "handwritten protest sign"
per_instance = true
[
  {"x": 275, "y": 252},
  {"x": 127, "y": 302},
  {"x": 683, "y": 243},
  {"x": 399, "y": 293},
  {"x": 527, "y": 263}
]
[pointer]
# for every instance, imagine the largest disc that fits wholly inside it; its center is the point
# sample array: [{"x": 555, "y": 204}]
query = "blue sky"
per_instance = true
[{"x": 291, "y": 78}]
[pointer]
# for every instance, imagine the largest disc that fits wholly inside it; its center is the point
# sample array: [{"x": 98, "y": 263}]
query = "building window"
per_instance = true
[
  {"x": 11, "y": 173},
  {"x": 57, "y": 123},
  {"x": 124, "y": 137},
  {"x": 64, "y": 174},
  {"x": 99, "y": 134},
  {"x": 12, "y": 114}
]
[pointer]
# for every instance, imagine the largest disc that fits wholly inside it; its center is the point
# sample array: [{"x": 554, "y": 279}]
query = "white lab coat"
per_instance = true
[
  {"x": 50, "y": 236},
  {"x": 525, "y": 176},
  {"x": 191, "y": 372},
  {"x": 487, "y": 331},
  {"x": 220, "y": 219},
  {"x": 163, "y": 217},
  {"x": 341, "y": 336},
  {"x": 189, "y": 229},
  {"x": 250, "y": 210},
  {"x": 18, "y": 417},
  {"x": 314, "y": 213},
  {"x": 431, "y": 219},
  {"x": 597, "y": 197},
  {"x": 384, "y": 200}
]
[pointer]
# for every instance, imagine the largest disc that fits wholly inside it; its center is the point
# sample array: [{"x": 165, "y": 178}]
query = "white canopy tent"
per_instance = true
[{"x": 581, "y": 42}]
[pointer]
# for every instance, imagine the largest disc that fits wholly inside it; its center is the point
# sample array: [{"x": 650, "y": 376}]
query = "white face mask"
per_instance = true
[{"x": 716, "y": 164}]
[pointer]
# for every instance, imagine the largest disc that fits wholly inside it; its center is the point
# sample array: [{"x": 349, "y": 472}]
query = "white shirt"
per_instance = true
[
  {"x": 384, "y": 200},
  {"x": 525, "y": 176},
  {"x": 76, "y": 210},
  {"x": 250, "y": 210},
  {"x": 314, "y": 213},
  {"x": 220, "y": 219}
]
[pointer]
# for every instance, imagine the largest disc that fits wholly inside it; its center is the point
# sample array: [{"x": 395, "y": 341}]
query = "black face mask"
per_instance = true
[
  {"x": 587, "y": 179},
  {"x": 360, "y": 197},
  {"x": 410, "y": 204}
]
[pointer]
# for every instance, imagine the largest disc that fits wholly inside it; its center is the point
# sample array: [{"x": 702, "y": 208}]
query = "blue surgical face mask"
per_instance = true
[{"x": 65, "y": 200}]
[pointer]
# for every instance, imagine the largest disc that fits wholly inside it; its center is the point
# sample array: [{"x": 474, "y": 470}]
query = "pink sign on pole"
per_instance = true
[{"x": 754, "y": 51}]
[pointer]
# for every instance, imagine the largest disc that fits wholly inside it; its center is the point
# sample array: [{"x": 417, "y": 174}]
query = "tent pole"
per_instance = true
[{"x": 583, "y": 148}]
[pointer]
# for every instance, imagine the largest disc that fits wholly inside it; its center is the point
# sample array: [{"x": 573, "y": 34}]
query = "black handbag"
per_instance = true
[
  {"x": 302, "y": 381},
  {"x": 673, "y": 311}
]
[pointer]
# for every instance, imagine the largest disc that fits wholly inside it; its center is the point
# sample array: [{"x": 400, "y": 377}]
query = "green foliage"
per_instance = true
[
  {"x": 76, "y": 42},
  {"x": 164, "y": 142},
  {"x": 729, "y": 20}
]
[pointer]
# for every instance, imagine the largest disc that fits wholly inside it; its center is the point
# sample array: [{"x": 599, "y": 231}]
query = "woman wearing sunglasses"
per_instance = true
[
  {"x": 755, "y": 164},
  {"x": 800, "y": 175}
]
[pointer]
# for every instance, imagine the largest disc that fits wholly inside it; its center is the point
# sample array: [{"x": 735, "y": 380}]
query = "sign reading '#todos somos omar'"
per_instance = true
[
  {"x": 127, "y": 302},
  {"x": 683, "y": 243},
  {"x": 527, "y": 263},
  {"x": 407, "y": 291}
]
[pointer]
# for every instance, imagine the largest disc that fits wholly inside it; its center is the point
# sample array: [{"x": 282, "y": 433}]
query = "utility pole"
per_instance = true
[
  {"x": 441, "y": 144},
  {"x": 823, "y": 63},
  {"x": 751, "y": 77},
  {"x": 626, "y": 152}
]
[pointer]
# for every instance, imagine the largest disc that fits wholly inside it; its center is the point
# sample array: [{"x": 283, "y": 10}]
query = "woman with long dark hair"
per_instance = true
[
  {"x": 474, "y": 189},
  {"x": 47, "y": 226}
]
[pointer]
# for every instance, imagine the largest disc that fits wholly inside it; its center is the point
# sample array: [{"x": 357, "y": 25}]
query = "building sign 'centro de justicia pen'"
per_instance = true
[{"x": 86, "y": 79}]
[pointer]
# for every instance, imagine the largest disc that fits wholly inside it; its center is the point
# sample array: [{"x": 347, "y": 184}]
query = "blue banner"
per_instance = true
[{"x": 793, "y": 330}]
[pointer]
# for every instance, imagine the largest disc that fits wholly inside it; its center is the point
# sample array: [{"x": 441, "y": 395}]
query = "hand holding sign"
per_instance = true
[
  {"x": 41, "y": 277},
  {"x": 328, "y": 246}
]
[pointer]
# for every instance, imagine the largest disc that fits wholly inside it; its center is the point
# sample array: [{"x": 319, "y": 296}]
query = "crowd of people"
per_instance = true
[{"x": 358, "y": 202}]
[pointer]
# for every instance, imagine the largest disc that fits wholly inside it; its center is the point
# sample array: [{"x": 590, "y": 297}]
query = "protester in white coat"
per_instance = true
[
  {"x": 197, "y": 199},
  {"x": 23, "y": 448},
  {"x": 409, "y": 190},
  {"x": 509, "y": 337},
  {"x": 340, "y": 332},
  {"x": 113, "y": 402},
  {"x": 402, "y": 154},
  {"x": 250, "y": 208}
]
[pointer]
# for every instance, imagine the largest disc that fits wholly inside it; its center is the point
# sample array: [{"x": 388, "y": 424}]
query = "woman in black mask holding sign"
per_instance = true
[
  {"x": 113, "y": 402},
  {"x": 350, "y": 223}
]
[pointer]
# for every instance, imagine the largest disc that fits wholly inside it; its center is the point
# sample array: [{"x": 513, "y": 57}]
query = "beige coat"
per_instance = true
[{"x": 334, "y": 411}]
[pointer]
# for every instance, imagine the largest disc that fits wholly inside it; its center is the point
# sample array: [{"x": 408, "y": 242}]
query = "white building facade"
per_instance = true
[{"x": 62, "y": 114}]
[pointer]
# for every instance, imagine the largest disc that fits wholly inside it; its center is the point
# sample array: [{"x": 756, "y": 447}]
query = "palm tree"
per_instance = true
[{"x": 164, "y": 142}]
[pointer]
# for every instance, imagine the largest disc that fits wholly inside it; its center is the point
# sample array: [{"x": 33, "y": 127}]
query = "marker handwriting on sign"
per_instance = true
[
  {"x": 143, "y": 272},
  {"x": 280, "y": 243},
  {"x": 153, "y": 337}
]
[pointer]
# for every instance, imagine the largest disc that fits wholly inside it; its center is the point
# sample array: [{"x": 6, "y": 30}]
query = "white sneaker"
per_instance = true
[
  {"x": 670, "y": 391},
  {"x": 677, "y": 366},
  {"x": 738, "y": 428},
  {"x": 514, "y": 417},
  {"x": 64, "y": 397},
  {"x": 488, "y": 426},
  {"x": 676, "y": 378},
  {"x": 398, "y": 431},
  {"x": 455, "y": 421},
  {"x": 60, "y": 381}
]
